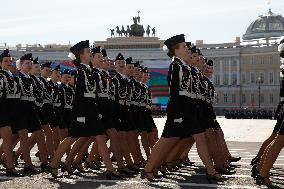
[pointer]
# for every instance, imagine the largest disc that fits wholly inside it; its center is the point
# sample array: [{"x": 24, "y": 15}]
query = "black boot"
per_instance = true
[
  {"x": 111, "y": 175},
  {"x": 265, "y": 181},
  {"x": 13, "y": 173},
  {"x": 254, "y": 161},
  {"x": 30, "y": 170},
  {"x": 43, "y": 167}
]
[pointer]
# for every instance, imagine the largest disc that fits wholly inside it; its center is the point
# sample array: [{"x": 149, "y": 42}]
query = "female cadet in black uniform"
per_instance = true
[
  {"x": 56, "y": 103},
  {"x": 134, "y": 112},
  {"x": 121, "y": 94},
  {"x": 147, "y": 124},
  {"x": 278, "y": 115},
  {"x": 180, "y": 117},
  {"x": 38, "y": 135},
  {"x": 103, "y": 82},
  {"x": 151, "y": 124},
  {"x": 86, "y": 120},
  {"x": 28, "y": 118},
  {"x": 67, "y": 96},
  {"x": 47, "y": 108},
  {"x": 8, "y": 90},
  {"x": 261, "y": 169}
]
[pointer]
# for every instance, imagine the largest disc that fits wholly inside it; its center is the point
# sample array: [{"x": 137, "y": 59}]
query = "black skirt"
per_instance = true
[
  {"x": 183, "y": 118},
  {"x": 42, "y": 118},
  {"x": 49, "y": 113},
  {"x": 9, "y": 114},
  {"x": 105, "y": 107},
  {"x": 66, "y": 118},
  {"x": 28, "y": 117},
  {"x": 91, "y": 124}
]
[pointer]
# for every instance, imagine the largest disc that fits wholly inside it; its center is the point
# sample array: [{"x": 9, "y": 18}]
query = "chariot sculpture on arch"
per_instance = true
[{"x": 134, "y": 30}]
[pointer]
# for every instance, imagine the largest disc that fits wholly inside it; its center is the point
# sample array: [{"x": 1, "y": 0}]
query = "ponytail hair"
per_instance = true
[
  {"x": 172, "y": 49},
  {"x": 77, "y": 60}
]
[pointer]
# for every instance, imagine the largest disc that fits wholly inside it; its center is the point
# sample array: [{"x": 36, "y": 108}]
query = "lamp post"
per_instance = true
[{"x": 259, "y": 80}]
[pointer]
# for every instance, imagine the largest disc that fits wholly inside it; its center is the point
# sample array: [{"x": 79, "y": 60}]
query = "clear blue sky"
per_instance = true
[{"x": 61, "y": 21}]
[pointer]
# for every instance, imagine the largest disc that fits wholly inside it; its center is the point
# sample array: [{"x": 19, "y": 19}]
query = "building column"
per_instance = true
[
  {"x": 238, "y": 72},
  {"x": 230, "y": 72},
  {"x": 221, "y": 71}
]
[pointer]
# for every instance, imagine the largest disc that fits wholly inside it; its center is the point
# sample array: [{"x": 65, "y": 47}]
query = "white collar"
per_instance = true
[
  {"x": 26, "y": 75},
  {"x": 86, "y": 65},
  {"x": 8, "y": 72},
  {"x": 182, "y": 61}
]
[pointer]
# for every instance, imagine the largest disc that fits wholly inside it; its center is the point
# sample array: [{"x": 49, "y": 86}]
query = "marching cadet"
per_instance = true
[
  {"x": 142, "y": 125},
  {"x": 56, "y": 103},
  {"x": 47, "y": 108},
  {"x": 66, "y": 103},
  {"x": 122, "y": 93},
  {"x": 8, "y": 98},
  {"x": 152, "y": 130},
  {"x": 28, "y": 118},
  {"x": 261, "y": 167},
  {"x": 38, "y": 135},
  {"x": 134, "y": 113},
  {"x": 84, "y": 123},
  {"x": 183, "y": 122},
  {"x": 104, "y": 105}
]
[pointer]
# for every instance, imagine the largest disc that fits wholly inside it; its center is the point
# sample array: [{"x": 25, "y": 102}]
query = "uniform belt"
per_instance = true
[
  {"x": 90, "y": 95},
  {"x": 190, "y": 95},
  {"x": 103, "y": 95},
  {"x": 56, "y": 104},
  {"x": 209, "y": 101},
  {"x": 46, "y": 101},
  {"x": 13, "y": 96},
  {"x": 122, "y": 102},
  {"x": 198, "y": 96},
  {"x": 68, "y": 107},
  {"x": 39, "y": 104},
  {"x": 135, "y": 103},
  {"x": 281, "y": 99},
  {"x": 26, "y": 98},
  {"x": 143, "y": 104},
  {"x": 127, "y": 103}
]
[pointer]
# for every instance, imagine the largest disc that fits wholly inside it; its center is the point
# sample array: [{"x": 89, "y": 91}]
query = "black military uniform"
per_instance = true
[
  {"x": 181, "y": 123},
  {"x": 56, "y": 101},
  {"x": 47, "y": 108},
  {"x": 38, "y": 93},
  {"x": 9, "y": 98},
  {"x": 121, "y": 90},
  {"x": 86, "y": 120},
  {"x": 66, "y": 101},
  {"x": 279, "y": 113},
  {"x": 28, "y": 117},
  {"x": 146, "y": 104},
  {"x": 209, "y": 98},
  {"x": 103, "y": 81}
]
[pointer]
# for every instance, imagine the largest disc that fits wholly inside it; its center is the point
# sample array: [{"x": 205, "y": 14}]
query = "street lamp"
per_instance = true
[{"x": 259, "y": 80}]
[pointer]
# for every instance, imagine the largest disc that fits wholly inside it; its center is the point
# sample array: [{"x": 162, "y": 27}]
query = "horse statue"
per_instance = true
[
  {"x": 142, "y": 31},
  {"x": 128, "y": 31},
  {"x": 123, "y": 31},
  {"x": 118, "y": 32},
  {"x": 148, "y": 30},
  {"x": 153, "y": 31},
  {"x": 111, "y": 32}
]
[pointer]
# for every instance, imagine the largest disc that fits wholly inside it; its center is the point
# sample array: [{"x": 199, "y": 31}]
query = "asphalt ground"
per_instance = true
[{"x": 187, "y": 177}]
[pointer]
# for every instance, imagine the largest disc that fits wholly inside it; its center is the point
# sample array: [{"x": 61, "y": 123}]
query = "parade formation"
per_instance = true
[{"x": 76, "y": 112}]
